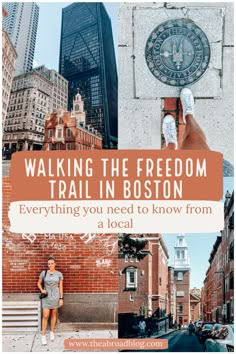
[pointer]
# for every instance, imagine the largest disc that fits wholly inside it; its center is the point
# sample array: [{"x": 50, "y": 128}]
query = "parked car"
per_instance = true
[
  {"x": 199, "y": 328},
  {"x": 222, "y": 340},
  {"x": 205, "y": 332},
  {"x": 216, "y": 328}
]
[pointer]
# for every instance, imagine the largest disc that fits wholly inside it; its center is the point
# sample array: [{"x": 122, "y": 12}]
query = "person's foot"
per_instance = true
[
  {"x": 187, "y": 101},
  {"x": 52, "y": 336},
  {"x": 169, "y": 130},
  {"x": 44, "y": 340}
]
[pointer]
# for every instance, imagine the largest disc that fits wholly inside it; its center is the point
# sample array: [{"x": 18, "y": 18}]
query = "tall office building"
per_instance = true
[
  {"x": 21, "y": 24},
  {"x": 87, "y": 61},
  {"x": 9, "y": 56},
  {"x": 30, "y": 101},
  {"x": 59, "y": 94}
]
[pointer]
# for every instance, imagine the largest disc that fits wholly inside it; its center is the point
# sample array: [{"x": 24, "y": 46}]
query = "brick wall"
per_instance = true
[
  {"x": 194, "y": 309},
  {"x": 88, "y": 266},
  {"x": 183, "y": 285},
  {"x": 152, "y": 278},
  {"x": 139, "y": 295}
]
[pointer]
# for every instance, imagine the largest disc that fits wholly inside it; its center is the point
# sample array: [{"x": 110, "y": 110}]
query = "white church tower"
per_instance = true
[
  {"x": 181, "y": 257},
  {"x": 78, "y": 109},
  {"x": 182, "y": 281}
]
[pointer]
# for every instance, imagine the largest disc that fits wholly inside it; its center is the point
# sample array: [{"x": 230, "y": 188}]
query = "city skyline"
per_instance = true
[{"x": 47, "y": 52}]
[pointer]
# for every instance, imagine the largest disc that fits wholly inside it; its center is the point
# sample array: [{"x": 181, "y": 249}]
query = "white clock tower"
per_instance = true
[{"x": 78, "y": 109}]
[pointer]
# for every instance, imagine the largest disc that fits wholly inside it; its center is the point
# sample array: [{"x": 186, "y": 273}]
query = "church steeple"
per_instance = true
[
  {"x": 181, "y": 257},
  {"x": 78, "y": 109}
]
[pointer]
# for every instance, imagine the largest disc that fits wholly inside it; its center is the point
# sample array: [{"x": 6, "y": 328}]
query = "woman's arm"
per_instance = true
[
  {"x": 40, "y": 286},
  {"x": 61, "y": 292}
]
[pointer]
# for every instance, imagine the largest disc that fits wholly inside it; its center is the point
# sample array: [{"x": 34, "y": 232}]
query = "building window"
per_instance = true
[
  {"x": 131, "y": 278},
  {"x": 192, "y": 307},
  {"x": 231, "y": 280},
  {"x": 180, "y": 276},
  {"x": 131, "y": 297},
  {"x": 58, "y": 146},
  {"x": 180, "y": 307},
  {"x": 180, "y": 293},
  {"x": 231, "y": 251},
  {"x": 59, "y": 120},
  {"x": 68, "y": 146},
  {"x": 68, "y": 133},
  {"x": 59, "y": 133},
  {"x": 50, "y": 131},
  {"x": 49, "y": 146}
]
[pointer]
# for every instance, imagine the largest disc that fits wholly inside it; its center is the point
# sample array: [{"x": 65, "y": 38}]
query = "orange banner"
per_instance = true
[
  {"x": 115, "y": 344},
  {"x": 116, "y": 175}
]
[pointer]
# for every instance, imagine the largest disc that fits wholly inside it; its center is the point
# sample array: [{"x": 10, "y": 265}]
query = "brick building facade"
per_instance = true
[
  {"x": 88, "y": 263},
  {"x": 218, "y": 292},
  {"x": 143, "y": 285},
  {"x": 195, "y": 307},
  {"x": 68, "y": 130},
  {"x": 182, "y": 281},
  {"x": 171, "y": 295}
]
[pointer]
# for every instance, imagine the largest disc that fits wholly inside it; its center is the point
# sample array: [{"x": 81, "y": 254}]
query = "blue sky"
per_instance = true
[
  {"x": 199, "y": 246},
  {"x": 49, "y": 30}
]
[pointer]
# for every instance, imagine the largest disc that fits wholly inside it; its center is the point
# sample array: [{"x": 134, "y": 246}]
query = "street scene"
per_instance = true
[
  {"x": 66, "y": 100},
  {"x": 170, "y": 287}
]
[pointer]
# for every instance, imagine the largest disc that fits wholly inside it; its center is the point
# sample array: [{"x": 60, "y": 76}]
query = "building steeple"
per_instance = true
[
  {"x": 181, "y": 257},
  {"x": 78, "y": 109}
]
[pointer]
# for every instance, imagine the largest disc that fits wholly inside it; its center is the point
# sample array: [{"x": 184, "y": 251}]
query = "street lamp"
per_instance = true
[{"x": 224, "y": 304}]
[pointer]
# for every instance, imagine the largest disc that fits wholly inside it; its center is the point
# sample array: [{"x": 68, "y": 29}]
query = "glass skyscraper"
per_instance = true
[
  {"x": 21, "y": 24},
  {"x": 87, "y": 61}
]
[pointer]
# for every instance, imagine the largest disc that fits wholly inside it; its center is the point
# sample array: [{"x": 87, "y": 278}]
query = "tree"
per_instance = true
[{"x": 132, "y": 246}]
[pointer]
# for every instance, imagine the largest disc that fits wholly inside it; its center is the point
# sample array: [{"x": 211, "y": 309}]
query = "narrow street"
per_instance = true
[{"x": 181, "y": 341}]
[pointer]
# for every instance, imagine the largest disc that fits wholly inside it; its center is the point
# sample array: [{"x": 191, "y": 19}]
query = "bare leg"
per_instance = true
[
  {"x": 53, "y": 319},
  {"x": 170, "y": 146},
  {"x": 45, "y": 321},
  {"x": 194, "y": 138}
]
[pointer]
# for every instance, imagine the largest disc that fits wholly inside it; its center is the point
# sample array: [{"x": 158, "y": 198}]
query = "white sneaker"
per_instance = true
[
  {"x": 169, "y": 130},
  {"x": 187, "y": 101},
  {"x": 52, "y": 336},
  {"x": 44, "y": 340}
]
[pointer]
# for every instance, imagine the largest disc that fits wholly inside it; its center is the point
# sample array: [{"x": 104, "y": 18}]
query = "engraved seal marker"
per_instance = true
[{"x": 177, "y": 52}]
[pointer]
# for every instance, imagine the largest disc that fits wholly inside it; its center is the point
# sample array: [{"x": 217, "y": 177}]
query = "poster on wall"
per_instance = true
[{"x": 117, "y": 177}]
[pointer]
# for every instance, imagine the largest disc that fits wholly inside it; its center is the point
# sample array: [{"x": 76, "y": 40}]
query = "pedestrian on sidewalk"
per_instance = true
[
  {"x": 53, "y": 289},
  {"x": 142, "y": 327},
  {"x": 194, "y": 137}
]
